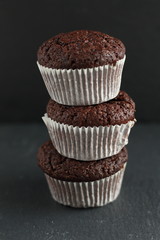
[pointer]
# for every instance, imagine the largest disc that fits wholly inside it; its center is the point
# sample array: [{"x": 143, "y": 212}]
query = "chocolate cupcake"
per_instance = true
[
  {"x": 82, "y": 67},
  {"x": 91, "y": 132},
  {"x": 82, "y": 184}
]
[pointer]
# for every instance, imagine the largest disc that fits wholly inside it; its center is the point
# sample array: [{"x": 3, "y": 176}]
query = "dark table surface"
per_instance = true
[{"x": 28, "y": 212}]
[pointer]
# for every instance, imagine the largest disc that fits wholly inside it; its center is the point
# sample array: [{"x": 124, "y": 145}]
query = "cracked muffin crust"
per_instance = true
[
  {"x": 80, "y": 49},
  {"x": 67, "y": 169},
  {"x": 119, "y": 110}
]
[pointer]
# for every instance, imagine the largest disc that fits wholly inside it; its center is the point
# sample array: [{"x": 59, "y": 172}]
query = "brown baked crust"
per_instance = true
[
  {"x": 116, "y": 111},
  {"x": 80, "y": 49},
  {"x": 66, "y": 169}
]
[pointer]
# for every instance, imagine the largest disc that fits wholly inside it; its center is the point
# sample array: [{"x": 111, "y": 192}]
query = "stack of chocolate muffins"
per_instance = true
[{"x": 88, "y": 118}]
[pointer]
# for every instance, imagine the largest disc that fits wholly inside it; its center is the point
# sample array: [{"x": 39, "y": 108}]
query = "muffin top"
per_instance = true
[
  {"x": 116, "y": 111},
  {"x": 80, "y": 49},
  {"x": 67, "y": 169}
]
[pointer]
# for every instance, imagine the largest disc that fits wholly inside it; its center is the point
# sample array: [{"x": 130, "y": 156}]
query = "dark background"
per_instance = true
[
  {"x": 26, "y": 24},
  {"x": 26, "y": 208}
]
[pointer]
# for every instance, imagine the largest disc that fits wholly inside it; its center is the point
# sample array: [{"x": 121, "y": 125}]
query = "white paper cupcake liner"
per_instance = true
[
  {"x": 83, "y": 86},
  {"x": 88, "y": 143},
  {"x": 86, "y": 194}
]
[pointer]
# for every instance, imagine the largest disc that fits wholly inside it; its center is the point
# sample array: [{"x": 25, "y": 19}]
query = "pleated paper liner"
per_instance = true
[
  {"x": 83, "y": 86},
  {"x": 88, "y": 143},
  {"x": 86, "y": 194}
]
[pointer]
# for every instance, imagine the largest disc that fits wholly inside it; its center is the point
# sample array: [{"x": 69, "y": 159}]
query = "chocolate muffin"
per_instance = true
[
  {"x": 82, "y": 67},
  {"x": 82, "y": 184},
  {"x": 91, "y": 132},
  {"x": 67, "y": 169},
  {"x": 80, "y": 49},
  {"x": 120, "y": 110}
]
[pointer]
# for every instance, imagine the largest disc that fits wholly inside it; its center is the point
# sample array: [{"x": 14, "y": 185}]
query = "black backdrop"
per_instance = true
[{"x": 26, "y": 24}]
